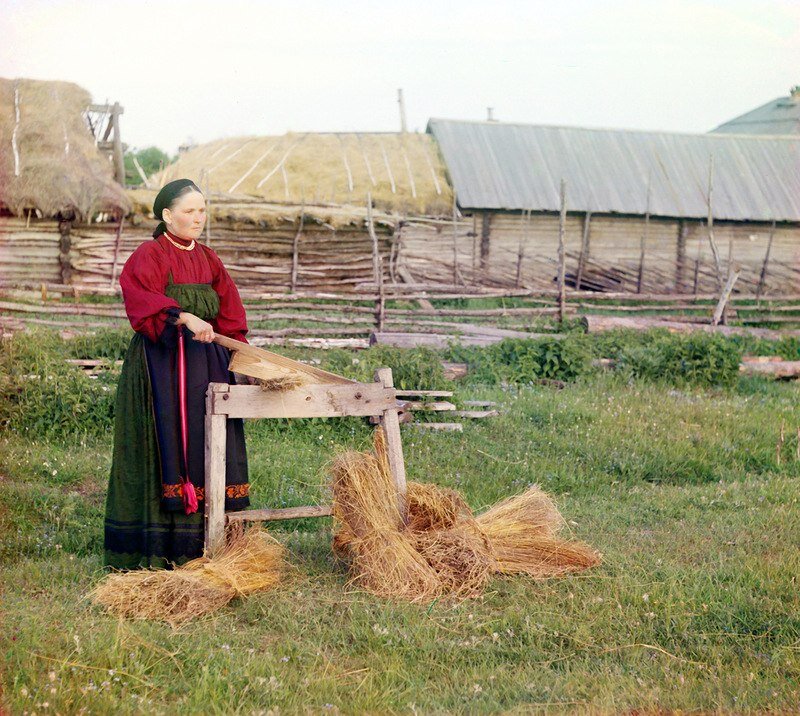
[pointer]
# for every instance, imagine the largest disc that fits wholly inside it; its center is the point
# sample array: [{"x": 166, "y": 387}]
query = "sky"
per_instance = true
[{"x": 193, "y": 71}]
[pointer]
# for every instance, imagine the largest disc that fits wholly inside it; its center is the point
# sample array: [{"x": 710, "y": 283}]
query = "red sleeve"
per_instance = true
[
  {"x": 143, "y": 280},
  {"x": 231, "y": 321}
]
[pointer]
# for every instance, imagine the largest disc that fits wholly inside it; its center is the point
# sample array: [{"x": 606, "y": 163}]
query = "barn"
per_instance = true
[{"x": 638, "y": 205}]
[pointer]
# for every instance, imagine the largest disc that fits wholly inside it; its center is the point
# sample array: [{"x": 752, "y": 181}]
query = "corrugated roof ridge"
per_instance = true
[{"x": 660, "y": 132}]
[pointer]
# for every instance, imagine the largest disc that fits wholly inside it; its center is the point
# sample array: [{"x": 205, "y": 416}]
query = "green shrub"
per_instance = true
[
  {"x": 517, "y": 360},
  {"x": 109, "y": 343},
  {"x": 695, "y": 359},
  {"x": 42, "y": 396}
]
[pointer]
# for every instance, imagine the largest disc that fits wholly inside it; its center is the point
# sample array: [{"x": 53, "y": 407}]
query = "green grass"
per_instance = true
[{"x": 695, "y": 606}]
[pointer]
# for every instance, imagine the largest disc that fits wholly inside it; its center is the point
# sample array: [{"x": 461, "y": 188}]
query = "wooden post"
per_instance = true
[
  {"x": 643, "y": 246},
  {"x": 697, "y": 266},
  {"x": 680, "y": 258},
  {"x": 525, "y": 217},
  {"x": 377, "y": 267},
  {"x": 374, "y": 237},
  {"x": 380, "y": 304},
  {"x": 474, "y": 244},
  {"x": 486, "y": 229},
  {"x": 215, "y": 448},
  {"x": 117, "y": 242},
  {"x": 710, "y": 222},
  {"x": 725, "y": 295},
  {"x": 394, "y": 251},
  {"x": 562, "y": 221},
  {"x": 402, "y": 106},
  {"x": 296, "y": 247},
  {"x": 587, "y": 219},
  {"x": 394, "y": 446},
  {"x": 762, "y": 279},
  {"x": 64, "y": 250},
  {"x": 455, "y": 238},
  {"x": 119, "y": 160}
]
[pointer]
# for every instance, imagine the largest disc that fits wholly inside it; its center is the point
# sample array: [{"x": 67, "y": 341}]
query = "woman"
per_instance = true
[{"x": 177, "y": 296}]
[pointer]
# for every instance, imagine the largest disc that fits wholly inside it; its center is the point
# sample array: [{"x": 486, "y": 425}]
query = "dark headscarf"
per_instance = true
[{"x": 167, "y": 197}]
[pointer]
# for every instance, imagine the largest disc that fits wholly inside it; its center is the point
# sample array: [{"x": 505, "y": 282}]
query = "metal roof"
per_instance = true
[
  {"x": 501, "y": 166},
  {"x": 781, "y": 117}
]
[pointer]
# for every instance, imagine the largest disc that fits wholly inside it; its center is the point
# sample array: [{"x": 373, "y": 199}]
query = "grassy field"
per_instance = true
[{"x": 684, "y": 491}]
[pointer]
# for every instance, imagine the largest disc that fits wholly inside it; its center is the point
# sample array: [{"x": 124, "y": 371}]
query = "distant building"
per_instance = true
[
  {"x": 780, "y": 116},
  {"x": 629, "y": 193}
]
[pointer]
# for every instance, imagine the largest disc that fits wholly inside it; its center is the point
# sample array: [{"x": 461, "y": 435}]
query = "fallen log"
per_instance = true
[
  {"x": 772, "y": 369},
  {"x": 598, "y": 324},
  {"x": 762, "y": 359},
  {"x": 442, "y": 341}
]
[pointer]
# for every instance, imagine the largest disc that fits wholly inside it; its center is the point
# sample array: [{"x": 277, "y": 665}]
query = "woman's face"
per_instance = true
[{"x": 187, "y": 217}]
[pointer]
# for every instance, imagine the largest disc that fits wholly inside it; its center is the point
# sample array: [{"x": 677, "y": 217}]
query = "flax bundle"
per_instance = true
[
  {"x": 442, "y": 550},
  {"x": 523, "y": 533},
  {"x": 251, "y": 561}
]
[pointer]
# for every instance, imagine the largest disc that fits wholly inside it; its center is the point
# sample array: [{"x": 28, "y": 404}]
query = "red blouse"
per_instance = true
[{"x": 145, "y": 277}]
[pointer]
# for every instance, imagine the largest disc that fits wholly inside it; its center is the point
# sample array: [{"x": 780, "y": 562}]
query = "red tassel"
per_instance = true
[{"x": 189, "y": 498}]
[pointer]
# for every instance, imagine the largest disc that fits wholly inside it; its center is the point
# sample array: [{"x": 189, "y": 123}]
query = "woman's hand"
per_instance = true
[{"x": 203, "y": 331}]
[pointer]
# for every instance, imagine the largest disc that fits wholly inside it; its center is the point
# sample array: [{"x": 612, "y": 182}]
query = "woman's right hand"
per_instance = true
[{"x": 203, "y": 331}]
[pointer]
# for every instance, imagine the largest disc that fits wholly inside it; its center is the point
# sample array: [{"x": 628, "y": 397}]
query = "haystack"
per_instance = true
[
  {"x": 251, "y": 561},
  {"x": 49, "y": 161},
  {"x": 442, "y": 549}
]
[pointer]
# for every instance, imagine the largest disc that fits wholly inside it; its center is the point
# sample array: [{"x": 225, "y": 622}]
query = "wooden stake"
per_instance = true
[
  {"x": 562, "y": 220},
  {"x": 680, "y": 259},
  {"x": 119, "y": 161},
  {"x": 762, "y": 279},
  {"x": 377, "y": 267},
  {"x": 474, "y": 243},
  {"x": 781, "y": 440},
  {"x": 455, "y": 239},
  {"x": 725, "y": 295},
  {"x": 296, "y": 247},
  {"x": 584, "y": 255},
  {"x": 402, "y": 106},
  {"x": 486, "y": 231},
  {"x": 710, "y": 221},
  {"x": 643, "y": 245},
  {"x": 523, "y": 234},
  {"x": 117, "y": 242}
]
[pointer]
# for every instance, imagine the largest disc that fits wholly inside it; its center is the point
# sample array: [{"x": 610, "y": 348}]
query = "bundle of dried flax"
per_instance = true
[
  {"x": 442, "y": 549},
  {"x": 250, "y": 562}
]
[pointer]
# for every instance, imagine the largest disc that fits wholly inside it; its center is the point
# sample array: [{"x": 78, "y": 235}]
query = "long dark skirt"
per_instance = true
[{"x": 145, "y": 523}]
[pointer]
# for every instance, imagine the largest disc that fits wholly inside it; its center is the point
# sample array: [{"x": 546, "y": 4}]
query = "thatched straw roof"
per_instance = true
[
  {"x": 49, "y": 160},
  {"x": 232, "y": 211},
  {"x": 402, "y": 171}
]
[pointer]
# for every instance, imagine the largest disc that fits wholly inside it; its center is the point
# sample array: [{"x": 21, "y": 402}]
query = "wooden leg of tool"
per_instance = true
[{"x": 391, "y": 425}]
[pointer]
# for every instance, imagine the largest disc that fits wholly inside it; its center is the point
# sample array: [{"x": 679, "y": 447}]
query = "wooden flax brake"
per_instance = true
[{"x": 307, "y": 392}]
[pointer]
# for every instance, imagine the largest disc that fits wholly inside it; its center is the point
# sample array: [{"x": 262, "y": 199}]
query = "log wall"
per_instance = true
[
  {"x": 675, "y": 251},
  {"x": 502, "y": 251}
]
